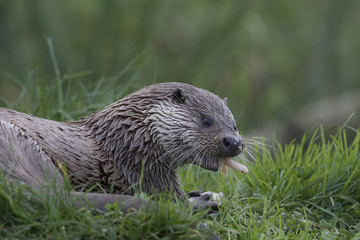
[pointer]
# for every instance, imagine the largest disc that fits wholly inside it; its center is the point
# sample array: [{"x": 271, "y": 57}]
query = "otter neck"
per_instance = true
[{"x": 130, "y": 151}]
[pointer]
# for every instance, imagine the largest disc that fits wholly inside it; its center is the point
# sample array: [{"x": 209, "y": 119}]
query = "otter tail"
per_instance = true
[{"x": 22, "y": 158}]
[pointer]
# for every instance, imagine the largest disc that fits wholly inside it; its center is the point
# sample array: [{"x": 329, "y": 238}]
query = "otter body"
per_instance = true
[{"x": 143, "y": 138}]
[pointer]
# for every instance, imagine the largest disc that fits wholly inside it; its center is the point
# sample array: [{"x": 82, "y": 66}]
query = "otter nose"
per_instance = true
[{"x": 232, "y": 145}]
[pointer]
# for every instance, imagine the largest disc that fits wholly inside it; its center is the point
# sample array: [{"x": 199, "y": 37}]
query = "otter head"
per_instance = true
[{"x": 192, "y": 125}]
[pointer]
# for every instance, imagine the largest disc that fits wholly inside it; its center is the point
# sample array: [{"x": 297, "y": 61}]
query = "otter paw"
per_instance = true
[{"x": 205, "y": 201}]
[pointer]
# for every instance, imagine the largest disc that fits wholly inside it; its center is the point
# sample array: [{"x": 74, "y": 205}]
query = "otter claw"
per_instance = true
[{"x": 204, "y": 201}]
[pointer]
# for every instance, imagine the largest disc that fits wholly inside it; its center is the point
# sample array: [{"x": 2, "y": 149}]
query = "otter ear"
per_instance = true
[
  {"x": 178, "y": 96},
  {"x": 225, "y": 100}
]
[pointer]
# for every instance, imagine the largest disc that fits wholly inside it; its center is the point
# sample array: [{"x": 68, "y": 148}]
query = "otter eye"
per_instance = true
[{"x": 206, "y": 122}]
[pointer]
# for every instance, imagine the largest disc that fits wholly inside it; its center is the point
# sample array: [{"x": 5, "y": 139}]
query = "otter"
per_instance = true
[{"x": 136, "y": 143}]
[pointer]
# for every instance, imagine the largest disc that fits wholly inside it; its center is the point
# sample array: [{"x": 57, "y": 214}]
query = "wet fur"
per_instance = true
[{"x": 148, "y": 133}]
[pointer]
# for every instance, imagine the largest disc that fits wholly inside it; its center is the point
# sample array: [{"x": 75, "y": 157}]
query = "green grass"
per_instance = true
[
  {"x": 308, "y": 190},
  {"x": 26, "y": 214},
  {"x": 300, "y": 191}
]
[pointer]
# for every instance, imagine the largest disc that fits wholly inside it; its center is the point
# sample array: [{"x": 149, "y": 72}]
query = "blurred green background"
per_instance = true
[{"x": 274, "y": 60}]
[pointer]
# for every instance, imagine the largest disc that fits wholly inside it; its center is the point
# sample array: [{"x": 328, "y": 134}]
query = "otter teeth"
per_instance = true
[{"x": 234, "y": 165}]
